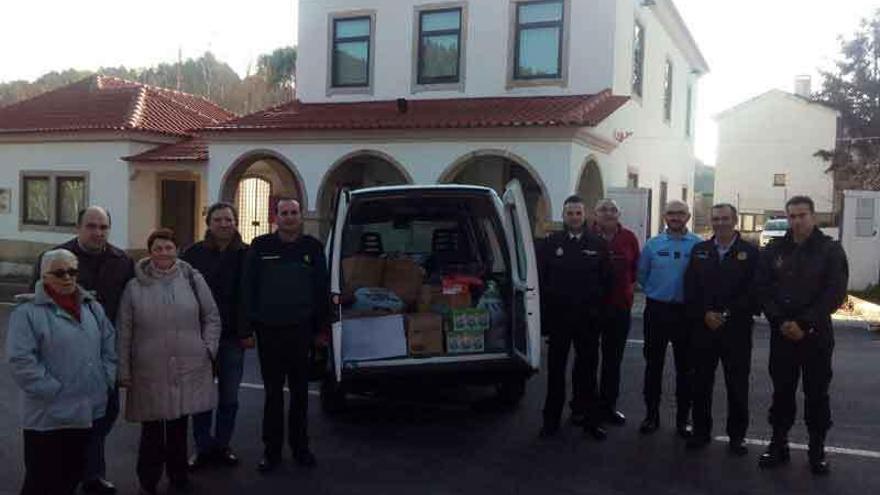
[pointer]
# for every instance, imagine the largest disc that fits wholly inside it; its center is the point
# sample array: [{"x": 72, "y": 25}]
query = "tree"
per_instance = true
[
  {"x": 853, "y": 88},
  {"x": 278, "y": 67}
]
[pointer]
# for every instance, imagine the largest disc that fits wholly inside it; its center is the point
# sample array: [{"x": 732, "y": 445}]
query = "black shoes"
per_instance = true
[
  {"x": 737, "y": 447},
  {"x": 98, "y": 486},
  {"x": 226, "y": 457},
  {"x": 268, "y": 463},
  {"x": 650, "y": 424},
  {"x": 777, "y": 454},
  {"x": 820, "y": 467},
  {"x": 615, "y": 417},
  {"x": 200, "y": 460},
  {"x": 684, "y": 429},
  {"x": 597, "y": 432},
  {"x": 223, "y": 457}
]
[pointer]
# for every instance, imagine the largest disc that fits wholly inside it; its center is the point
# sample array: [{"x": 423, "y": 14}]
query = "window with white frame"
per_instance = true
[
  {"x": 352, "y": 40},
  {"x": 778, "y": 180},
  {"x": 538, "y": 50},
  {"x": 52, "y": 199},
  {"x": 667, "y": 91},
  {"x": 440, "y": 40},
  {"x": 638, "y": 72}
]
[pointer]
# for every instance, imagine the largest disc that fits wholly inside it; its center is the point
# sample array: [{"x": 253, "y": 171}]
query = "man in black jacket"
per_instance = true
[
  {"x": 104, "y": 269},
  {"x": 286, "y": 299},
  {"x": 220, "y": 258},
  {"x": 575, "y": 276},
  {"x": 720, "y": 301},
  {"x": 801, "y": 281}
]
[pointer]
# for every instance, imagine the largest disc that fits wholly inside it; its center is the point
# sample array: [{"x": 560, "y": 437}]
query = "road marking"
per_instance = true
[
  {"x": 635, "y": 341},
  {"x": 259, "y": 386},
  {"x": 8, "y": 304},
  {"x": 799, "y": 446}
]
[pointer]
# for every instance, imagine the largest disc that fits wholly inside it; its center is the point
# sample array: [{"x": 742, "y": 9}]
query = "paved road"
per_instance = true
[{"x": 449, "y": 446}]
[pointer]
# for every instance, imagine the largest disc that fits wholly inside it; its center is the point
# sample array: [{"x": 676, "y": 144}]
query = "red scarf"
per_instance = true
[{"x": 67, "y": 302}]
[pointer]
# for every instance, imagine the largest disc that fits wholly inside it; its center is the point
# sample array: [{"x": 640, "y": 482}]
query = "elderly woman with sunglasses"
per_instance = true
[
  {"x": 60, "y": 347},
  {"x": 169, "y": 331}
]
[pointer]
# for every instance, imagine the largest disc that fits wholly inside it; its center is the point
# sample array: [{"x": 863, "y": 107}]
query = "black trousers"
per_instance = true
[
  {"x": 163, "y": 445},
  {"x": 667, "y": 323},
  {"x": 811, "y": 357},
  {"x": 54, "y": 461},
  {"x": 613, "y": 332},
  {"x": 732, "y": 345},
  {"x": 284, "y": 358},
  {"x": 572, "y": 327}
]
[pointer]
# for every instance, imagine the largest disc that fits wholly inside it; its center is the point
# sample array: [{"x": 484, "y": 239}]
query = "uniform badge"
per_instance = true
[
  {"x": 559, "y": 251},
  {"x": 703, "y": 255},
  {"x": 308, "y": 259},
  {"x": 589, "y": 252},
  {"x": 742, "y": 255}
]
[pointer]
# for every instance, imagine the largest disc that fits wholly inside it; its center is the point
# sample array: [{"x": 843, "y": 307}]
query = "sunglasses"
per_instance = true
[{"x": 72, "y": 272}]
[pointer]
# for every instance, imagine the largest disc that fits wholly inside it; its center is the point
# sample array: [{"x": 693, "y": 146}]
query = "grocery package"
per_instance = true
[
  {"x": 492, "y": 302},
  {"x": 376, "y": 300},
  {"x": 424, "y": 334},
  {"x": 371, "y": 338},
  {"x": 362, "y": 271},
  {"x": 403, "y": 276},
  {"x": 467, "y": 330}
]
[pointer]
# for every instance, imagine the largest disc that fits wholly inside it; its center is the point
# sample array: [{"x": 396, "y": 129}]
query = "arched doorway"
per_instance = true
[
  {"x": 365, "y": 168},
  {"x": 253, "y": 183},
  {"x": 589, "y": 186},
  {"x": 496, "y": 169}
]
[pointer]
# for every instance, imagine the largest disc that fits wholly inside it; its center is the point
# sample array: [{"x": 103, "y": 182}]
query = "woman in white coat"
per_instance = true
[{"x": 169, "y": 329}]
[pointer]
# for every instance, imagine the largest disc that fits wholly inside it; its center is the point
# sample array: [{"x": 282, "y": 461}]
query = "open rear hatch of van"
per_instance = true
[{"x": 433, "y": 278}]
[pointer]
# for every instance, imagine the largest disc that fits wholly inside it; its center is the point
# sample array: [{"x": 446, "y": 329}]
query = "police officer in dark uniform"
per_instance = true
[
  {"x": 801, "y": 281},
  {"x": 286, "y": 299},
  {"x": 719, "y": 298},
  {"x": 576, "y": 274}
]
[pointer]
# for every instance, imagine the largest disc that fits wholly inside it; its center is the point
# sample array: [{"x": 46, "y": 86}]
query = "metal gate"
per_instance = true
[{"x": 252, "y": 199}]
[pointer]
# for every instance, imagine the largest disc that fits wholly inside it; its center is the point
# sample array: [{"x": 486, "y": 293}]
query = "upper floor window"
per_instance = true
[
  {"x": 539, "y": 36},
  {"x": 638, "y": 73},
  {"x": 778, "y": 180},
  {"x": 689, "y": 117},
  {"x": 52, "y": 199},
  {"x": 667, "y": 91},
  {"x": 351, "y": 52},
  {"x": 439, "y": 46}
]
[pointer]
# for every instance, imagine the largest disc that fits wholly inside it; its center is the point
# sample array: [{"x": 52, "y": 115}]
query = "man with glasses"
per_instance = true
[
  {"x": 614, "y": 322},
  {"x": 103, "y": 269},
  {"x": 661, "y": 275},
  {"x": 719, "y": 296}
]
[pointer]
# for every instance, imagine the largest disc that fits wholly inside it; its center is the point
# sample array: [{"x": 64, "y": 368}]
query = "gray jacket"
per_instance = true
[
  {"x": 63, "y": 367},
  {"x": 169, "y": 329}
]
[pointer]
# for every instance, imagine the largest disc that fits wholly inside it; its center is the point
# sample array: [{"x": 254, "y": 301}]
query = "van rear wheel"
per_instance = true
[
  {"x": 511, "y": 391},
  {"x": 333, "y": 400}
]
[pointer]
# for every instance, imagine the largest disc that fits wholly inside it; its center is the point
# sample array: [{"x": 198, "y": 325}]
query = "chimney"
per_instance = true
[{"x": 803, "y": 86}]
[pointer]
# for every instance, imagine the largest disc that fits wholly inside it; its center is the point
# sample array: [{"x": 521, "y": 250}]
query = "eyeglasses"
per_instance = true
[{"x": 71, "y": 272}]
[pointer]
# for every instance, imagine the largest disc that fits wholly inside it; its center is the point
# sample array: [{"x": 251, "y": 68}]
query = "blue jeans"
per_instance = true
[
  {"x": 95, "y": 466},
  {"x": 230, "y": 367}
]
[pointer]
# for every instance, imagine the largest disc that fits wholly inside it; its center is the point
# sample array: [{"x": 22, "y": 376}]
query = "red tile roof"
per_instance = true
[
  {"x": 189, "y": 150},
  {"x": 101, "y": 103},
  {"x": 538, "y": 111}
]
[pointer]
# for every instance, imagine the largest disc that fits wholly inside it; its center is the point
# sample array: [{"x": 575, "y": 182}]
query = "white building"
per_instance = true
[
  {"x": 569, "y": 96},
  {"x": 766, "y": 154},
  {"x": 65, "y": 149}
]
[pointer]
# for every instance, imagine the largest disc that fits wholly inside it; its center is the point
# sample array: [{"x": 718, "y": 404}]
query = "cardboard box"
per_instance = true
[
  {"x": 404, "y": 277},
  {"x": 424, "y": 334},
  {"x": 362, "y": 271},
  {"x": 469, "y": 320},
  {"x": 365, "y": 339},
  {"x": 465, "y": 342},
  {"x": 431, "y": 298}
]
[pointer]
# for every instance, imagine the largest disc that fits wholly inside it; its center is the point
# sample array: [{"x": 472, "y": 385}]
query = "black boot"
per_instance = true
[
  {"x": 777, "y": 452},
  {"x": 682, "y": 424},
  {"x": 651, "y": 422},
  {"x": 818, "y": 465}
]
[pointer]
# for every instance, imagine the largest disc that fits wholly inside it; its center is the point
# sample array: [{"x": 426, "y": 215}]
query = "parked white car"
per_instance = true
[{"x": 773, "y": 228}]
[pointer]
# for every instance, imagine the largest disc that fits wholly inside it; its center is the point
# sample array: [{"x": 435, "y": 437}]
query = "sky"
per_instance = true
[{"x": 752, "y": 46}]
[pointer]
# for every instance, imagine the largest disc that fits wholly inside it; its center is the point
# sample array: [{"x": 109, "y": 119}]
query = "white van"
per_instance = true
[{"x": 461, "y": 263}]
